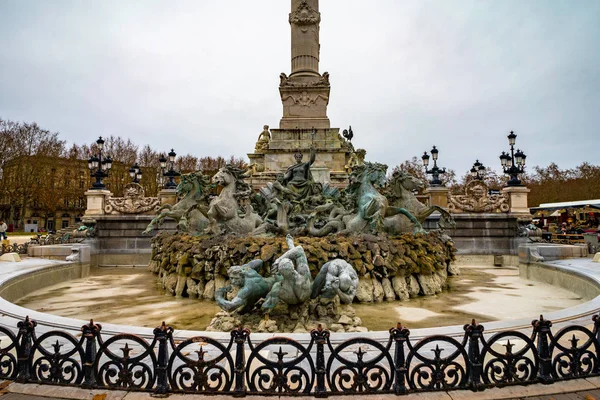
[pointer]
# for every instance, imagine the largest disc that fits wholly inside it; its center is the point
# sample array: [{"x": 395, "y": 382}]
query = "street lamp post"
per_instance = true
[
  {"x": 170, "y": 172},
  {"x": 435, "y": 171},
  {"x": 135, "y": 173},
  {"x": 99, "y": 166},
  {"x": 513, "y": 164},
  {"x": 478, "y": 171}
]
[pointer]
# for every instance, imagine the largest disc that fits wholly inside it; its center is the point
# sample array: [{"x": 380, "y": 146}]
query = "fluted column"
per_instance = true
[{"x": 304, "y": 21}]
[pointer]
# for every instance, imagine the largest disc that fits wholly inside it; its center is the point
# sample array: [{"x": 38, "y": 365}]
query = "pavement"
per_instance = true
[{"x": 579, "y": 389}]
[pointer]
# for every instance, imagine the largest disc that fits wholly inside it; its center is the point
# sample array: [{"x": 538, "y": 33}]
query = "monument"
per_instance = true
[
  {"x": 304, "y": 125},
  {"x": 350, "y": 233}
]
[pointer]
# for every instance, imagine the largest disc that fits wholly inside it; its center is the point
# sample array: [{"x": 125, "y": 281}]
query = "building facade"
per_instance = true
[{"x": 47, "y": 193}]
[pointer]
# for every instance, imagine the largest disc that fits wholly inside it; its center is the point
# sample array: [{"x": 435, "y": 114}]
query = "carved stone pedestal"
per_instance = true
[
  {"x": 96, "y": 200},
  {"x": 518, "y": 201},
  {"x": 167, "y": 196},
  {"x": 438, "y": 196},
  {"x": 333, "y": 153}
]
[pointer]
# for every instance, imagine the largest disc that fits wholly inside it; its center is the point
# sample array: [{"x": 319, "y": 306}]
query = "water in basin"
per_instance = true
[{"x": 131, "y": 297}]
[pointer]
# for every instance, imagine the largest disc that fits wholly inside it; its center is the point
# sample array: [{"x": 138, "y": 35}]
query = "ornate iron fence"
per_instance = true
[
  {"x": 14, "y": 248},
  {"x": 281, "y": 365},
  {"x": 52, "y": 239}
]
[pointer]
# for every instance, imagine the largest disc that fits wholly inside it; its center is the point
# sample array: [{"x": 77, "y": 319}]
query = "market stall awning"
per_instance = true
[{"x": 566, "y": 204}]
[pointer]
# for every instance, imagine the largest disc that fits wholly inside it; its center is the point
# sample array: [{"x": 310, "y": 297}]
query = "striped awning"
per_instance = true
[{"x": 595, "y": 204}]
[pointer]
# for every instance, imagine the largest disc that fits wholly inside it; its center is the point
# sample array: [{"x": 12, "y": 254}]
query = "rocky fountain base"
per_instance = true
[
  {"x": 388, "y": 268},
  {"x": 328, "y": 313}
]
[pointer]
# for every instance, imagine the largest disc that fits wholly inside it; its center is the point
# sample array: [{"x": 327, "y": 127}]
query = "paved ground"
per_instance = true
[
  {"x": 17, "y": 396},
  {"x": 19, "y": 239},
  {"x": 580, "y": 389},
  {"x": 587, "y": 395}
]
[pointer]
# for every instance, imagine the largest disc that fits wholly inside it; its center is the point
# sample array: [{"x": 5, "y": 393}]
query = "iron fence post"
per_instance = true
[
  {"x": 90, "y": 333},
  {"x": 474, "y": 332},
  {"x": 596, "y": 332},
  {"x": 239, "y": 336},
  {"x": 400, "y": 335},
  {"x": 26, "y": 334},
  {"x": 320, "y": 337},
  {"x": 541, "y": 327},
  {"x": 162, "y": 334}
]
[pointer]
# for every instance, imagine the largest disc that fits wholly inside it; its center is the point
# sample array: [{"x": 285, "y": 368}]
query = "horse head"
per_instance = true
[
  {"x": 403, "y": 180},
  {"x": 223, "y": 177},
  {"x": 229, "y": 175},
  {"x": 370, "y": 172},
  {"x": 192, "y": 184},
  {"x": 375, "y": 174}
]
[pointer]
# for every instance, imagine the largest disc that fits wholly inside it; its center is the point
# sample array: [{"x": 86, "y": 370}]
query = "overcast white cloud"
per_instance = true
[{"x": 202, "y": 76}]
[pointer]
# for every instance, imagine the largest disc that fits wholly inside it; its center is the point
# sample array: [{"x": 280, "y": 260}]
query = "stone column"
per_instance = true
[
  {"x": 438, "y": 196},
  {"x": 167, "y": 196},
  {"x": 304, "y": 21},
  {"x": 96, "y": 200},
  {"x": 517, "y": 196}
]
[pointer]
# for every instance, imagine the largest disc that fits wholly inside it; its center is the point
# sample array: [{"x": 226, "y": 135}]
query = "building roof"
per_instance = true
[{"x": 567, "y": 204}]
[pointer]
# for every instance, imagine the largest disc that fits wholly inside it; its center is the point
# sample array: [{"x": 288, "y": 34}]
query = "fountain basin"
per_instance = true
[{"x": 34, "y": 273}]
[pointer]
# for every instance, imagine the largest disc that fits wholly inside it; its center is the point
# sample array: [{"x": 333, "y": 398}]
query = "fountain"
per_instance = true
[
  {"x": 257, "y": 254},
  {"x": 293, "y": 241},
  {"x": 294, "y": 256}
]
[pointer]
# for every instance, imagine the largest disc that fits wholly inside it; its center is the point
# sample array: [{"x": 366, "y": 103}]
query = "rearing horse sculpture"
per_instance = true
[
  {"x": 372, "y": 207},
  {"x": 224, "y": 211},
  {"x": 400, "y": 192},
  {"x": 187, "y": 212}
]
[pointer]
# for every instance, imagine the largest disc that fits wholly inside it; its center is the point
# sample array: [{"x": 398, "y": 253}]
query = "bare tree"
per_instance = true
[
  {"x": 186, "y": 163},
  {"x": 30, "y": 144}
]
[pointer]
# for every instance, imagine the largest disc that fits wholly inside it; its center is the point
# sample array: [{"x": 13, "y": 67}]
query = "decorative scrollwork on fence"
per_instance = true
[
  {"x": 126, "y": 371},
  {"x": 437, "y": 372},
  {"x": 211, "y": 371},
  {"x": 281, "y": 365},
  {"x": 14, "y": 248},
  {"x": 8, "y": 350},
  {"x": 61, "y": 365},
  {"x": 366, "y": 367},
  {"x": 292, "y": 374},
  {"x": 509, "y": 362},
  {"x": 580, "y": 359}
]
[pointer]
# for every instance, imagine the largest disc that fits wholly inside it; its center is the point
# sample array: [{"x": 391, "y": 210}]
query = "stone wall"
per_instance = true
[
  {"x": 483, "y": 234},
  {"x": 388, "y": 268},
  {"x": 119, "y": 239}
]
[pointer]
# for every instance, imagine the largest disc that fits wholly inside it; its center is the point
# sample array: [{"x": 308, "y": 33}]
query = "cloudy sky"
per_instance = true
[{"x": 202, "y": 76}]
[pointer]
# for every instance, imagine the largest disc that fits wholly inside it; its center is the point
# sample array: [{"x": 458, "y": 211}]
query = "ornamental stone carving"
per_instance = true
[
  {"x": 305, "y": 15},
  {"x": 133, "y": 201},
  {"x": 305, "y": 100},
  {"x": 323, "y": 81},
  {"x": 478, "y": 200}
]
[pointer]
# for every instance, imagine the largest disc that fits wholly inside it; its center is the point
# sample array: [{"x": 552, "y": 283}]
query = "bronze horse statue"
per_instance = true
[
  {"x": 231, "y": 210},
  {"x": 400, "y": 192},
  {"x": 187, "y": 212}
]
